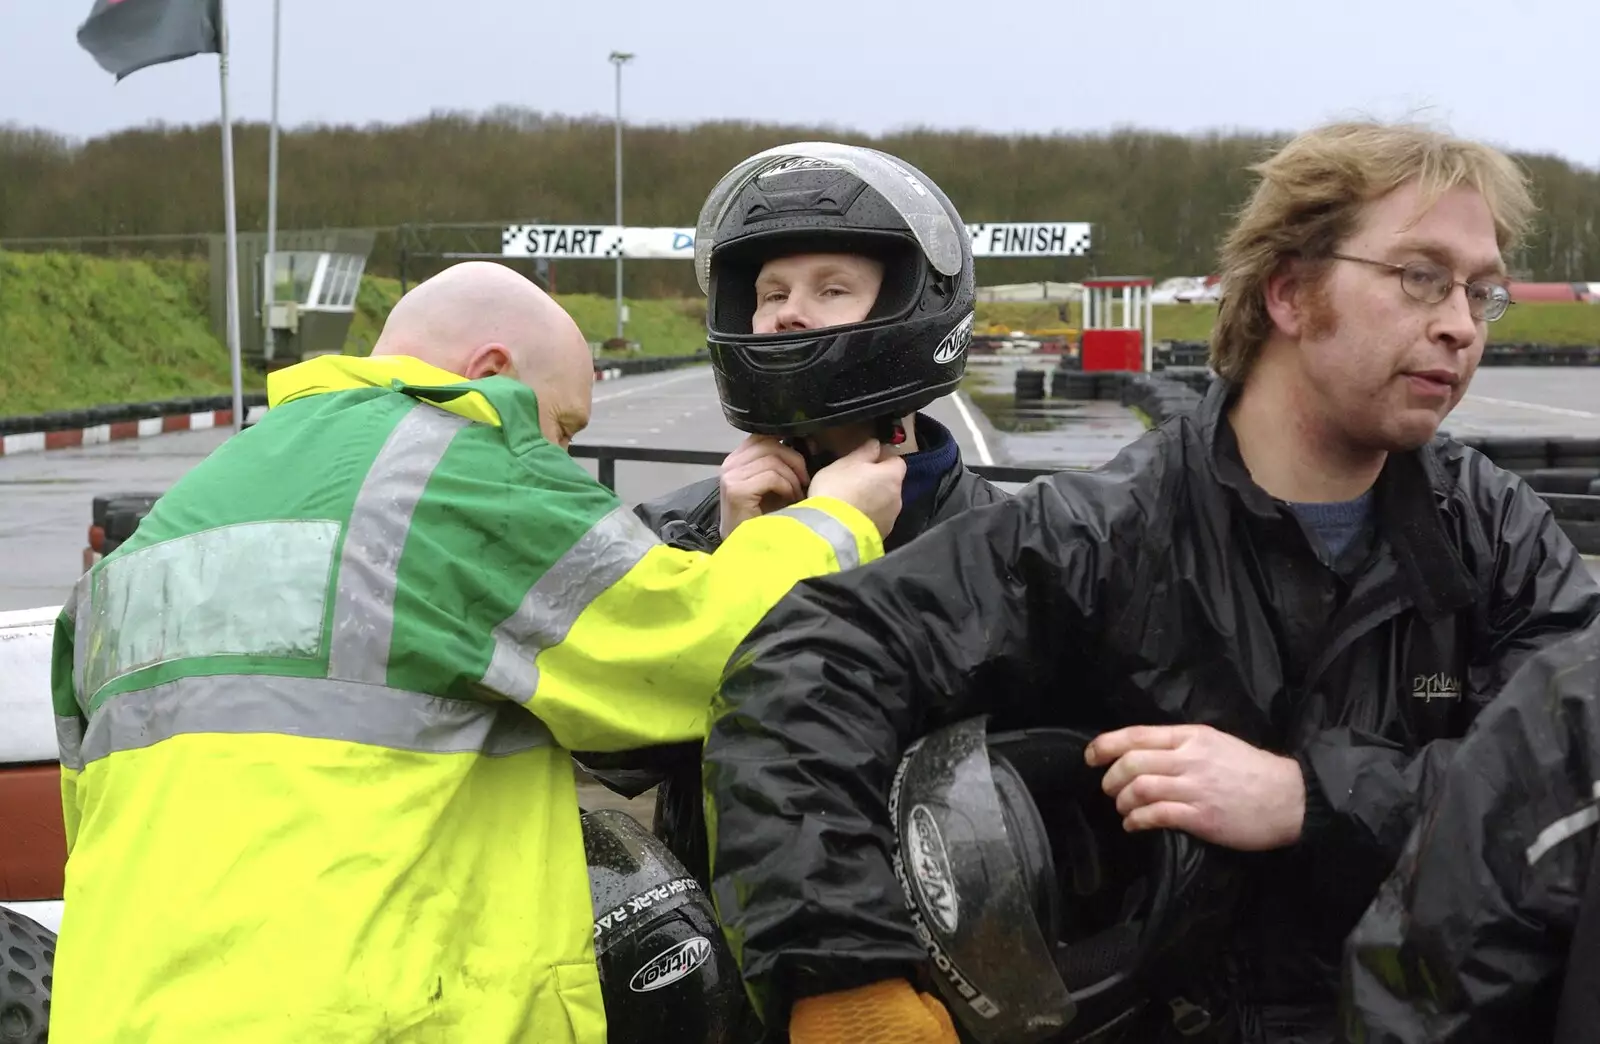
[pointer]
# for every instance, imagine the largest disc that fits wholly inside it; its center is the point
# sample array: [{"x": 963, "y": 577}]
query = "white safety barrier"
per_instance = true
[{"x": 27, "y": 721}]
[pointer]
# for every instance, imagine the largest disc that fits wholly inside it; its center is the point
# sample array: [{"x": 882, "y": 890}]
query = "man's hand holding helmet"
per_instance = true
[
  {"x": 764, "y": 475},
  {"x": 1204, "y": 782}
]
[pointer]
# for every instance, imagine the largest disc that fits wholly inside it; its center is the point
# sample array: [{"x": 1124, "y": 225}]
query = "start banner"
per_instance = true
[{"x": 606, "y": 242}]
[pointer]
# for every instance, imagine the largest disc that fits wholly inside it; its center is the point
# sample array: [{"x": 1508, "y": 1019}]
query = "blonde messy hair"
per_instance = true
[{"x": 1311, "y": 197}]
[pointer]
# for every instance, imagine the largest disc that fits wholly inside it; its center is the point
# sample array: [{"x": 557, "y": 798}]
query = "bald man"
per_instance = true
[{"x": 315, "y": 715}]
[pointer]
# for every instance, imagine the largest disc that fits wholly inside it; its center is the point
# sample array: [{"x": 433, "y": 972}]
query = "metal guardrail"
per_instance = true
[
  {"x": 608, "y": 456},
  {"x": 116, "y": 516},
  {"x": 1577, "y": 514}
]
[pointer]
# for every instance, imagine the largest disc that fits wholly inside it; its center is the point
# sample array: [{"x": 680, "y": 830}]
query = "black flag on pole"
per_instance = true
[{"x": 125, "y": 36}]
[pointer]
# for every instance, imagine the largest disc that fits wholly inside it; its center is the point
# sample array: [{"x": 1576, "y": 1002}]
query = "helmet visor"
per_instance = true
[
  {"x": 921, "y": 210},
  {"x": 965, "y": 886}
]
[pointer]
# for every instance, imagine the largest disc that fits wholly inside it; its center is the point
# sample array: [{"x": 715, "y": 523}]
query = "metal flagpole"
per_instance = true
[
  {"x": 231, "y": 225},
  {"x": 271, "y": 268},
  {"x": 617, "y": 59}
]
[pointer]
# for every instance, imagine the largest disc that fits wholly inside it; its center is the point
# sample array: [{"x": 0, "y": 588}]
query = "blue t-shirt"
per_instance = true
[{"x": 1337, "y": 523}]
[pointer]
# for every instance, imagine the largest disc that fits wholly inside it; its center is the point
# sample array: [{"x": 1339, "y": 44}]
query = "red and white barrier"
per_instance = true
[
  {"x": 32, "y": 845},
  {"x": 67, "y": 438},
  {"x": 95, "y": 434}
]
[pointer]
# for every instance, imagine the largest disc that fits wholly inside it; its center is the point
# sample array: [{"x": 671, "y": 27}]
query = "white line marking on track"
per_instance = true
[
  {"x": 972, "y": 426},
  {"x": 652, "y": 386},
  {"x": 1541, "y": 407}
]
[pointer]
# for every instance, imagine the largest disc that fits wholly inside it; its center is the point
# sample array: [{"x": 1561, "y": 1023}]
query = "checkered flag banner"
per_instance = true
[{"x": 1031, "y": 239}]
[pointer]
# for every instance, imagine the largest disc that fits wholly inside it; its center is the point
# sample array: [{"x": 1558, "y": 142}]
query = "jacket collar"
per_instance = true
[
  {"x": 918, "y": 514},
  {"x": 484, "y": 400},
  {"x": 326, "y": 373},
  {"x": 1410, "y": 491}
]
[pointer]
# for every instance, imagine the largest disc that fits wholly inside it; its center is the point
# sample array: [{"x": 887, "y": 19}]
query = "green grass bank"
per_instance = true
[{"x": 77, "y": 330}]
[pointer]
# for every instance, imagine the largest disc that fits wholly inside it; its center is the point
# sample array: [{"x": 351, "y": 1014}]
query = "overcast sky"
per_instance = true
[{"x": 1521, "y": 75}]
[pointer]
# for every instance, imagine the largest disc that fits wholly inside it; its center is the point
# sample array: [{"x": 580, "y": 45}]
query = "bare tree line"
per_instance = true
[{"x": 1161, "y": 201}]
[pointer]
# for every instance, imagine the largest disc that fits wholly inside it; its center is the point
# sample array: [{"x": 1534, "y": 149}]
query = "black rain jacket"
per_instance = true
[
  {"x": 1489, "y": 928},
  {"x": 1164, "y": 587},
  {"x": 690, "y": 518}
]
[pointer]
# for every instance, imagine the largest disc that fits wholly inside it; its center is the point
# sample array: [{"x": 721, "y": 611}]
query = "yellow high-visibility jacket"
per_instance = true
[{"x": 315, "y": 717}]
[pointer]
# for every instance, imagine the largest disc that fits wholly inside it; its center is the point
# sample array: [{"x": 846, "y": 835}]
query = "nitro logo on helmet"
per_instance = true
[
  {"x": 964, "y": 988},
  {"x": 668, "y": 966},
  {"x": 930, "y": 868},
  {"x": 955, "y": 342}
]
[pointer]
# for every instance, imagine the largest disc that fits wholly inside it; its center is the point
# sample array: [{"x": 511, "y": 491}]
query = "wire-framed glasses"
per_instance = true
[{"x": 1431, "y": 282}]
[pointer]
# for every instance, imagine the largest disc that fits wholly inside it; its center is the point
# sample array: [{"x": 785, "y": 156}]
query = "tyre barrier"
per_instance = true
[
  {"x": 646, "y": 364},
  {"x": 27, "y": 963},
  {"x": 1029, "y": 385},
  {"x": 112, "y": 520},
  {"x": 1111, "y": 385},
  {"x": 1564, "y": 471},
  {"x": 1512, "y": 353},
  {"x": 88, "y": 425},
  {"x": 1159, "y": 398},
  {"x": 123, "y": 412}
]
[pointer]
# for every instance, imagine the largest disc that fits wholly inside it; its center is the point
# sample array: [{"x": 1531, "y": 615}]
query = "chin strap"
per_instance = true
[{"x": 889, "y": 430}]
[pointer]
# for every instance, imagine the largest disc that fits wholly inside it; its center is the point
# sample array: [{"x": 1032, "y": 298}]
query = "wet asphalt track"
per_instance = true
[{"x": 45, "y": 497}]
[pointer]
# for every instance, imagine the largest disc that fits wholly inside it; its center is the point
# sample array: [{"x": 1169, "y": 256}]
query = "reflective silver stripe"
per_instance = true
[
  {"x": 827, "y": 527},
  {"x": 1565, "y": 828},
  {"x": 313, "y": 708},
  {"x": 69, "y": 741},
  {"x": 247, "y": 589},
  {"x": 598, "y": 559},
  {"x": 80, "y": 600},
  {"x": 363, "y": 614}
]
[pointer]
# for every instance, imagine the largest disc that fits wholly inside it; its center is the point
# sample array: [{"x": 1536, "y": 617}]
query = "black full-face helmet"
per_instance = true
[
  {"x": 822, "y": 197},
  {"x": 666, "y": 972},
  {"x": 1044, "y": 919}
]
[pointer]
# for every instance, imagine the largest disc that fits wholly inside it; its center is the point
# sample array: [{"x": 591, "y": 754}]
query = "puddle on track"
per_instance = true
[{"x": 1049, "y": 432}]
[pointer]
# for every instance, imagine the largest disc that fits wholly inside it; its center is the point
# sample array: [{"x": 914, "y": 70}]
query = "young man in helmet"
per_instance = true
[
  {"x": 1283, "y": 611},
  {"x": 829, "y": 326}
]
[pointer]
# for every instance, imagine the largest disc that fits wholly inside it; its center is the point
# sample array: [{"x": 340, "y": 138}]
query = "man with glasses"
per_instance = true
[{"x": 1280, "y": 613}]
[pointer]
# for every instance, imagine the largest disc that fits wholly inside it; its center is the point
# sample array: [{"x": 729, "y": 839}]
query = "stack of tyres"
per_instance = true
[
  {"x": 1517, "y": 453},
  {"x": 1109, "y": 384},
  {"x": 116, "y": 517},
  {"x": 1575, "y": 452},
  {"x": 1159, "y": 398},
  {"x": 27, "y": 962},
  {"x": 1579, "y": 518},
  {"x": 1029, "y": 384},
  {"x": 1571, "y": 481},
  {"x": 1138, "y": 391},
  {"x": 1073, "y": 384}
]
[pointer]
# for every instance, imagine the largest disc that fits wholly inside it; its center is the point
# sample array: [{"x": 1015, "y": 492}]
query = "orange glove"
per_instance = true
[{"x": 886, "y": 1012}]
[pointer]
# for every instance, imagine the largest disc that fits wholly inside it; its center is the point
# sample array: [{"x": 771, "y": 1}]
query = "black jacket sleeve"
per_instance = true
[
  {"x": 1363, "y": 794},
  {"x": 686, "y": 518},
  {"x": 819, "y": 702},
  {"x": 1469, "y": 938}
]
